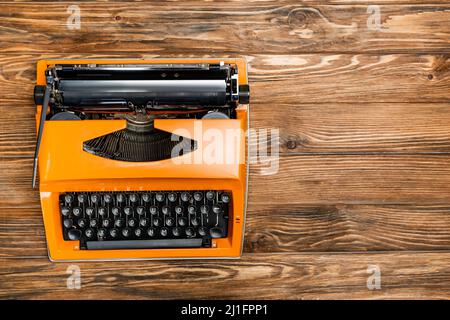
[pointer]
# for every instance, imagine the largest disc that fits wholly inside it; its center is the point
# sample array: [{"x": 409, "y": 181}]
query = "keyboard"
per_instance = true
[{"x": 144, "y": 219}]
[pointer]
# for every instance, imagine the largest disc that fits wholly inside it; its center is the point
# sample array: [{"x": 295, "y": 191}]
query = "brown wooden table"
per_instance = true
[{"x": 364, "y": 118}]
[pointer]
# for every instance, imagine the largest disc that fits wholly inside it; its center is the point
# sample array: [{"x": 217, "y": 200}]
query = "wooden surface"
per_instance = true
[{"x": 364, "y": 120}]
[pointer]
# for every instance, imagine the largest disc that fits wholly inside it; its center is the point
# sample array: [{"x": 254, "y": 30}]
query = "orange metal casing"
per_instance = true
[{"x": 65, "y": 167}]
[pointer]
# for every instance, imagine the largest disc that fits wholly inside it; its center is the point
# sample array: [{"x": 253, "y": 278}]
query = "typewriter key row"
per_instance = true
[{"x": 119, "y": 216}]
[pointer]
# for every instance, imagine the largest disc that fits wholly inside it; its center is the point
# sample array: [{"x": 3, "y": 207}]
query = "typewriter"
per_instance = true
[{"x": 142, "y": 159}]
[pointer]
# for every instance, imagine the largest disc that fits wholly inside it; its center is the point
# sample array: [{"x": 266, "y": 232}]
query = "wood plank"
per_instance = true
[
  {"x": 307, "y": 180},
  {"x": 259, "y": 276},
  {"x": 216, "y": 28},
  {"x": 286, "y": 228}
]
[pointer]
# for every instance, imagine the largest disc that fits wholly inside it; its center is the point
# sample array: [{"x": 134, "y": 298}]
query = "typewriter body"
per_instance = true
[{"x": 128, "y": 158}]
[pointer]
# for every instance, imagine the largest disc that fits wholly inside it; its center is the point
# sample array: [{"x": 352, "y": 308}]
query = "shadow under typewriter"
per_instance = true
[{"x": 139, "y": 142}]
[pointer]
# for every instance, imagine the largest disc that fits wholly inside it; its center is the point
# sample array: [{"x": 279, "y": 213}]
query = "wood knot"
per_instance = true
[
  {"x": 291, "y": 144},
  {"x": 117, "y": 18},
  {"x": 297, "y": 18}
]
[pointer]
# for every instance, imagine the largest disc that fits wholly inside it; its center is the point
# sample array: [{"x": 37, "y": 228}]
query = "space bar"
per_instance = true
[{"x": 144, "y": 244}]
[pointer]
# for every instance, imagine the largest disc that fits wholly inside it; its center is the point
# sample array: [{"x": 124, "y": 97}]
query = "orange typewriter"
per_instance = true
[{"x": 142, "y": 159}]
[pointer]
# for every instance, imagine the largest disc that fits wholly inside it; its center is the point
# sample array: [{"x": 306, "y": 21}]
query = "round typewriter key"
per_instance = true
[
  {"x": 115, "y": 211},
  {"x": 65, "y": 211},
  {"x": 68, "y": 198},
  {"x": 178, "y": 210},
  {"x": 182, "y": 221},
  {"x": 82, "y": 223},
  {"x": 164, "y": 232},
  {"x": 132, "y": 223},
  {"x": 146, "y": 197},
  {"x": 101, "y": 211},
  {"x": 120, "y": 197},
  {"x": 89, "y": 233},
  {"x": 89, "y": 211},
  {"x": 198, "y": 196},
  {"x": 94, "y": 198},
  {"x": 194, "y": 222},
  {"x": 216, "y": 209},
  {"x": 210, "y": 195},
  {"x": 159, "y": 197},
  {"x": 157, "y": 222},
  {"x": 68, "y": 223},
  {"x": 93, "y": 223},
  {"x": 133, "y": 197},
  {"x": 151, "y": 232},
  {"x": 74, "y": 234},
  {"x": 202, "y": 231},
  {"x": 215, "y": 232},
  {"x": 101, "y": 233},
  {"x": 138, "y": 232},
  {"x": 140, "y": 210},
  {"x": 113, "y": 233},
  {"x": 76, "y": 211},
  {"x": 106, "y": 223},
  {"x": 119, "y": 223},
  {"x": 204, "y": 209},
  {"x": 81, "y": 198},
  {"x": 169, "y": 221},
  {"x": 176, "y": 231},
  {"x": 185, "y": 197},
  {"x": 172, "y": 197},
  {"x": 143, "y": 222},
  {"x": 153, "y": 210},
  {"x": 191, "y": 209},
  {"x": 165, "y": 210},
  {"x": 107, "y": 198},
  {"x": 126, "y": 232},
  {"x": 128, "y": 211},
  {"x": 225, "y": 197},
  {"x": 190, "y": 232}
]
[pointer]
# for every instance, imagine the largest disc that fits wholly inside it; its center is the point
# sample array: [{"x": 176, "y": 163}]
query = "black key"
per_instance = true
[
  {"x": 106, "y": 223},
  {"x": 146, "y": 197},
  {"x": 202, "y": 231},
  {"x": 159, "y": 197},
  {"x": 119, "y": 223},
  {"x": 204, "y": 209},
  {"x": 126, "y": 232},
  {"x": 185, "y": 197},
  {"x": 120, "y": 198},
  {"x": 225, "y": 198},
  {"x": 132, "y": 223},
  {"x": 74, "y": 234},
  {"x": 89, "y": 233},
  {"x": 172, "y": 197},
  {"x": 89, "y": 211},
  {"x": 164, "y": 232},
  {"x": 133, "y": 198},
  {"x": 176, "y": 231},
  {"x": 191, "y": 209},
  {"x": 178, "y": 210},
  {"x": 138, "y": 232},
  {"x": 76, "y": 211},
  {"x": 102, "y": 211},
  {"x": 194, "y": 222},
  {"x": 153, "y": 210},
  {"x": 82, "y": 198},
  {"x": 115, "y": 211},
  {"x": 82, "y": 223},
  {"x": 143, "y": 222},
  {"x": 68, "y": 223},
  {"x": 140, "y": 210},
  {"x": 68, "y": 198},
  {"x": 215, "y": 232},
  {"x": 165, "y": 210},
  {"x": 210, "y": 195},
  {"x": 107, "y": 198},
  {"x": 65, "y": 211},
  {"x": 113, "y": 233},
  {"x": 190, "y": 232},
  {"x": 157, "y": 222},
  {"x": 94, "y": 198},
  {"x": 128, "y": 211},
  {"x": 198, "y": 196},
  {"x": 217, "y": 209},
  {"x": 101, "y": 233},
  {"x": 93, "y": 223},
  {"x": 170, "y": 221},
  {"x": 182, "y": 222},
  {"x": 151, "y": 232}
]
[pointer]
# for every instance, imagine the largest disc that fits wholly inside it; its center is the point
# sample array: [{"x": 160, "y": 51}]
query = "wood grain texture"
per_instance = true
[
  {"x": 287, "y": 276},
  {"x": 218, "y": 28}
]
